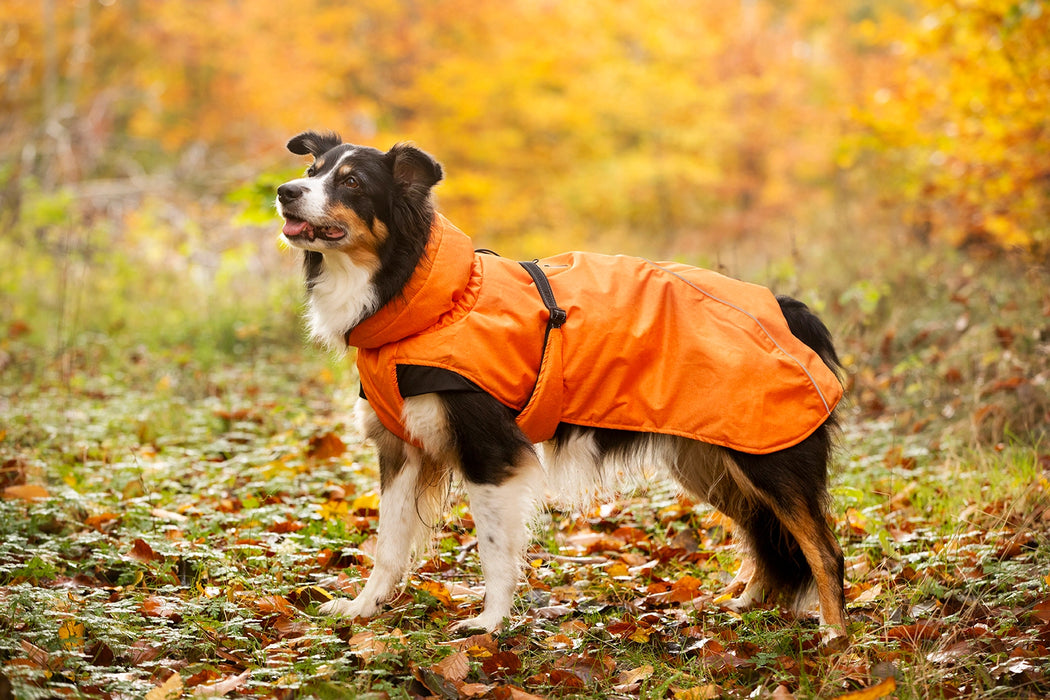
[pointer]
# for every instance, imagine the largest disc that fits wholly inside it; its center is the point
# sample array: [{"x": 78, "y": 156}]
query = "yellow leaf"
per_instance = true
[
  {"x": 641, "y": 635},
  {"x": 436, "y": 590},
  {"x": 170, "y": 689},
  {"x": 700, "y": 692},
  {"x": 368, "y": 501},
  {"x": 71, "y": 634},
  {"x": 880, "y": 690}
]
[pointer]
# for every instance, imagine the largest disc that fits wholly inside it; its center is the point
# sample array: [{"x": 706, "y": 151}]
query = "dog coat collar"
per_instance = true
[
  {"x": 643, "y": 346},
  {"x": 434, "y": 288}
]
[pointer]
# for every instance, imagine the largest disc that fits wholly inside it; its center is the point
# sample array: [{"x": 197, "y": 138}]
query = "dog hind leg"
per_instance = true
[
  {"x": 709, "y": 473},
  {"x": 788, "y": 529}
]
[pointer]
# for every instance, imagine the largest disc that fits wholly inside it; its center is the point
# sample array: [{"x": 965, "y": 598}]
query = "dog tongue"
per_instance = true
[{"x": 294, "y": 228}]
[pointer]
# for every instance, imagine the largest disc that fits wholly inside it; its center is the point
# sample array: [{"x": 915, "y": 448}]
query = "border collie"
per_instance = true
[{"x": 378, "y": 279}]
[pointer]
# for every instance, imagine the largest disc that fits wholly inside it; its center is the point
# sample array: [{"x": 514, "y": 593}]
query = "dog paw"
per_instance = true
[
  {"x": 833, "y": 639},
  {"x": 481, "y": 623},
  {"x": 341, "y": 607}
]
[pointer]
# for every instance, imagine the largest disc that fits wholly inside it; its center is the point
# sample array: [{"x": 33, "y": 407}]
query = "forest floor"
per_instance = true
[{"x": 171, "y": 521}]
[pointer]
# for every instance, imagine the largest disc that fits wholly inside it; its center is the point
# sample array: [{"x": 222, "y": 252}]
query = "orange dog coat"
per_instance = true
[{"x": 649, "y": 347}]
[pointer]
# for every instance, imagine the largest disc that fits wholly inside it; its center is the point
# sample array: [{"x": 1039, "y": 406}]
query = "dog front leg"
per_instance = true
[
  {"x": 501, "y": 515},
  {"x": 406, "y": 503}
]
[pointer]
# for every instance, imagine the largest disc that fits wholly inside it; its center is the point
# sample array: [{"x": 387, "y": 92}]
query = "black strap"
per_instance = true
[{"x": 543, "y": 286}]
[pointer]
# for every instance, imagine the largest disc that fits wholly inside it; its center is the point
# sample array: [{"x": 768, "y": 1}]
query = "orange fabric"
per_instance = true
[{"x": 652, "y": 347}]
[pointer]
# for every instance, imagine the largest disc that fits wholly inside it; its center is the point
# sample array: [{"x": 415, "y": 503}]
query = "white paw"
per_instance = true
[
  {"x": 341, "y": 607},
  {"x": 485, "y": 622}
]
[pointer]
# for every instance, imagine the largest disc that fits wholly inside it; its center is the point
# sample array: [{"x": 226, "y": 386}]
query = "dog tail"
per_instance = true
[{"x": 807, "y": 327}]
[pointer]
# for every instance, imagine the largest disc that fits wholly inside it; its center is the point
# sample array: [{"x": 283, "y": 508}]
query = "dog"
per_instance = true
[{"x": 575, "y": 368}]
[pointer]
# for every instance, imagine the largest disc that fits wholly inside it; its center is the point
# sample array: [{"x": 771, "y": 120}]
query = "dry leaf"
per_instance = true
[
  {"x": 326, "y": 446},
  {"x": 453, "y": 668},
  {"x": 156, "y": 606},
  {"x": 168, "y": 690},
  {"x": 141, "y": 551},
  {"x": 26, "y": 492},
  {"x": 880, "y": 690},
  {"x": 700, "y": 692},
  {"x": 220, "y": 688},
  {"x": 365, "y": 645}
]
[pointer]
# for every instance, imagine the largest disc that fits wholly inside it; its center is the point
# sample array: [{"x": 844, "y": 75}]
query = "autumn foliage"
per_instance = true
[{"x": 653, "y": 125}]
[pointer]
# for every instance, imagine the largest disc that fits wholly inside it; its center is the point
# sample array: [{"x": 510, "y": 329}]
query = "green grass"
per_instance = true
[{"x": 199, "y": 491}]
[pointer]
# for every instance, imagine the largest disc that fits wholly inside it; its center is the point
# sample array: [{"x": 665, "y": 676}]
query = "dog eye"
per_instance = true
[{"x": 352, "y": 182}]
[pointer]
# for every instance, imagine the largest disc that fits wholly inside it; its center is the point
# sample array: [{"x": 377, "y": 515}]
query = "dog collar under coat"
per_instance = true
[{"x": 651, "y": 347}]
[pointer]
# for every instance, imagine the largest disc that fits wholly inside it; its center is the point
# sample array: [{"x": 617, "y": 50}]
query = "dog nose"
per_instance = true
[{"x": 288, "y": 192}]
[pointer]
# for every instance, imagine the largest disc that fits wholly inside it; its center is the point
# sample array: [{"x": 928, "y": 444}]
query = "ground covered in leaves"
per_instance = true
[{"x": 169, "y": 527}]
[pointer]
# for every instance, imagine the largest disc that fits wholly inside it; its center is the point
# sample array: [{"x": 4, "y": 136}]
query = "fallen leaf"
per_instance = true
[
  {"x": 919, "y": 632},
  {"x": 453, "y": 668},
  {"x": 879, "y": 690},
  {"x": 141, "y": 551},
  {"x": 26, "y": 492},
  {"x": 365, "y": 645},
  {"x": 434, "y": 589},
  {"x": 37, "y": 656},
  {"x": 71, "y": 635},
  {"x": 630, "y": 681},
  {"x": 327, "y": 446},
  {"x": 171, "y": 516},
  {"x": 472, "y": 690},
  {"x": 168, "y": 690},
  {"x": 156, "y": 606},
  {"x": 501, "y": 664},
  {"x": 366, "y": 503},
  {"x": 558, "y": 641},
  {"x": 552, "y": 612},
  {"x": 220, "y": 688},
  {"x": 142, "y": 652},
  {"x": 273, "y": 604},
  {"x": 869, "y": 595},
  {"x": 478, "y": 646},
  {"x": 700, "y": 692},
  {"x": 510, "y": 692},
  {"x": 102, "y": 521}
]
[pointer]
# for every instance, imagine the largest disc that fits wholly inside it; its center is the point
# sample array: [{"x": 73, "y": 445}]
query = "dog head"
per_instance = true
[{"x": 356, "y": 197}]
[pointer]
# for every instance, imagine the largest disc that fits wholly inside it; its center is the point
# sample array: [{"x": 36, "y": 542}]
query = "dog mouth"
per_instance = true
[{"x": 298, "y": 229}]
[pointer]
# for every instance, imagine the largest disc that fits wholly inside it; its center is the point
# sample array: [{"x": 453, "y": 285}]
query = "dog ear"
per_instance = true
[
  {"x": 413, "y": 168},
  {"x": 311, "y": 143}
]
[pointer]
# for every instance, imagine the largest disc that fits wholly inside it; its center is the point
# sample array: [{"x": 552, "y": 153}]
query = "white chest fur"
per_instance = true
[{"x": 342, "y": 295}]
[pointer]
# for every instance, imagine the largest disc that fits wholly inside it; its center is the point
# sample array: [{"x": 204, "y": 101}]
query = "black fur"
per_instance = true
[{"x": 487, "y": 439}]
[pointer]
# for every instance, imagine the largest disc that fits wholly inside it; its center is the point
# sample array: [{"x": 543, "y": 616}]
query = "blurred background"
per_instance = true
[{"x": 831, "y": 149}]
